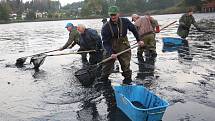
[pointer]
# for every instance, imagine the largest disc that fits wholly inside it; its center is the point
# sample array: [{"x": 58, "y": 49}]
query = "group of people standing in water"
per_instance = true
[{"x": 114, "y": 39}]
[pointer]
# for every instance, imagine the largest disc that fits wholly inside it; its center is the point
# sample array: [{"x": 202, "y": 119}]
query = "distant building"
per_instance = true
[
  {"x": 208, "y": 7},
  {"x": 45, "y": 14},
  {"x": 13, "y": 16},
  {"x": 38, "y": 15},
  {"x": 41, "y": 15},
  {"x": 24, "y": 15}
]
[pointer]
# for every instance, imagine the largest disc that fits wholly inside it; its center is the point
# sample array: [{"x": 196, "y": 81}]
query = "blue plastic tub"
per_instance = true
[
  {"x": 171, "y": 41},
  {"x": 170, "y": 49},
  {"x": 149, "y": 107}
]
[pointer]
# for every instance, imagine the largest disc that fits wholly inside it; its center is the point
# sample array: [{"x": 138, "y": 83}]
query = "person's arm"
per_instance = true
[
  {"x": 106, "y": 39},
  {"x": 157, "y": 27},
  {"x": 133, "y": 29},
  {"x": 75, "y": 40},
  {"x": 195, "y": 24},
  {"x": 70, "y": 41}
]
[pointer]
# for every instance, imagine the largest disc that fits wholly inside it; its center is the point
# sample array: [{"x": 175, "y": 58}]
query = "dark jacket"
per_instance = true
[
  {"x": 90, "y": 40},
  {"x": 73, "y": 39},
  {"x": 185, "y": 24},
  {"x": 119, "y": 32}
]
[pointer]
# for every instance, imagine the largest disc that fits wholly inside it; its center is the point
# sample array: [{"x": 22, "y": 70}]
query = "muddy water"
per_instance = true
[{"x": 55, "y": 94}]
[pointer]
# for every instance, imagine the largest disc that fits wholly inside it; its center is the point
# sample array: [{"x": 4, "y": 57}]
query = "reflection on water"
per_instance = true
[
  {"x": 54, "y": 93},
  {"x": 184, "y": 51},
  {"x": 146, "y": 70}
]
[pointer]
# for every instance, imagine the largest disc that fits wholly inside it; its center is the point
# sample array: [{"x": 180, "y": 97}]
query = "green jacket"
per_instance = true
[
  {"x": 185, "y": 24},
  {"x": 73, "y": 39}
]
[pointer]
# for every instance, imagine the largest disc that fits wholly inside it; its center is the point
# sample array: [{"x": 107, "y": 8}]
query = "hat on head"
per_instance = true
[
  {"x": 69, "y": 25},
  {"x": 113, "y": 10}
]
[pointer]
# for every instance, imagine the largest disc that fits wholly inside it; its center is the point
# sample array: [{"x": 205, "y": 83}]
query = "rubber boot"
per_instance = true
[
  {"x": 102, "y": 82},
  {"x": 140, "y": 57},
  {"x": 127, "y": 81},
  {"x": 84, "y": 59},
  {"x": 153, "y": 54}
]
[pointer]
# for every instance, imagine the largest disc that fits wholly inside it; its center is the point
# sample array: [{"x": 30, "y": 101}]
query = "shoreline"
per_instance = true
[{"x": 82, "y": 18}]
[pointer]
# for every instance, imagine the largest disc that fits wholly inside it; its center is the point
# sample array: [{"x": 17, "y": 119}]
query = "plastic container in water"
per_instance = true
[
  {"x": 170, "y": 49},
  {"x": 139, "y": 104},
  {"x": 171, "y": 41}
]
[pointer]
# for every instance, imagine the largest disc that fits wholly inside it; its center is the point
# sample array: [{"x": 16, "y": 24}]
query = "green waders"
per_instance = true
[
  {"x": 149, "y": 47},
  {"x": 118, "y": 45}
]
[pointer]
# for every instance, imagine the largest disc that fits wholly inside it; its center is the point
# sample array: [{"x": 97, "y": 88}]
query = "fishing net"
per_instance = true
[
  {"x": 87, "y": 75},
  {"x": 20, "y": 61},
  {"x": 38, "y": 60}
]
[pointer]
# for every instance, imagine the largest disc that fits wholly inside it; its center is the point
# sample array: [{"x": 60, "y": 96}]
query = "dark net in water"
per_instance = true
[
  {"x": 38, "y": 60},
  {"x": 87, "y": 75},
  {"x": 20, "y": 61}
]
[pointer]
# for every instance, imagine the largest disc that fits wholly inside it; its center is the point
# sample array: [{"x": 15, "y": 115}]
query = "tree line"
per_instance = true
[
  {"x": 93, "y": 8},
  {"x": 18, "y": 7},
  {"x": 89, "y": 8}
]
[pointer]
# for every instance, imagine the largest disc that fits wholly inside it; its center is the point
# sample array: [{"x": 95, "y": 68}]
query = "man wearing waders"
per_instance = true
[
  {"x": 73, "y": 40},
  {"x": 183, "y": 30},
  {"x": 114, "y": 37},
  {"x": 147, "y": 27},
  {"x": 116, "y": 64}
]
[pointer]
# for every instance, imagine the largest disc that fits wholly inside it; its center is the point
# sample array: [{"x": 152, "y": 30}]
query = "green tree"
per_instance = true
[
  {"x": 4, "y": 12},
  {"x": 192, "y": 2},
  {"x": 73, "y": 9},
  {"x": 94, "y": 6}
]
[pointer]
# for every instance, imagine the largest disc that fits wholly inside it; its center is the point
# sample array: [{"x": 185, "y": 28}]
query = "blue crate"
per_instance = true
[
  {"x": 170, "y": 49},
  {"x": 152, "y": 108},
  {"x": 171, "y": 41}
]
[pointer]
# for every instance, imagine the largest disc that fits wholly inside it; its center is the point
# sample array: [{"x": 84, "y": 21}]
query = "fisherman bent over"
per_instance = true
[
  {"x": 90, "y": 40},
  {"x": 147, "y": 27},
  {"x": 73, "y": 40}
]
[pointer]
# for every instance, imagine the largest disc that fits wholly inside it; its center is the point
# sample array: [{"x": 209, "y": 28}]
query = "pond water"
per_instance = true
[{"x": 53, "y": 93}]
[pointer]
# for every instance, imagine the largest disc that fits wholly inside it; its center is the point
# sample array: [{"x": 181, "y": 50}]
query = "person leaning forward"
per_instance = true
[
  {"x": 90, "y": 40},
  {"x": 185, "y": 23},
  {"x": 114, "y": 37},
  {"x": 147, "y": 28},
  {"x": 73, "y": 39},
  {"x": 73, "y": 36}
]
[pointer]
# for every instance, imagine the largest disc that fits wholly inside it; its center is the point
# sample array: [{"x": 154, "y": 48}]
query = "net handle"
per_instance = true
[
  {"x": 167, "y": 25},
  {"x": 79, "y": 52},
  {"x": 110, "y": 58},
  {"x": 42, "y": 53}
]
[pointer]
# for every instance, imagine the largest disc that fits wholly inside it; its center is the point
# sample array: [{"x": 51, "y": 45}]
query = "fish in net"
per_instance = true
[{"x": 38, "y": 60}]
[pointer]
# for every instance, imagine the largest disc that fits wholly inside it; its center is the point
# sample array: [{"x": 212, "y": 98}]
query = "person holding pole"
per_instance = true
[
  {"x": 114, "y": 37},
  {"x": 147, "y": 27}
]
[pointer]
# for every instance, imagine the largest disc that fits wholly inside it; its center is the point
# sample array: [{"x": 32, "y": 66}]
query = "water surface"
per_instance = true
[{"x": 55, "y": 94}]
